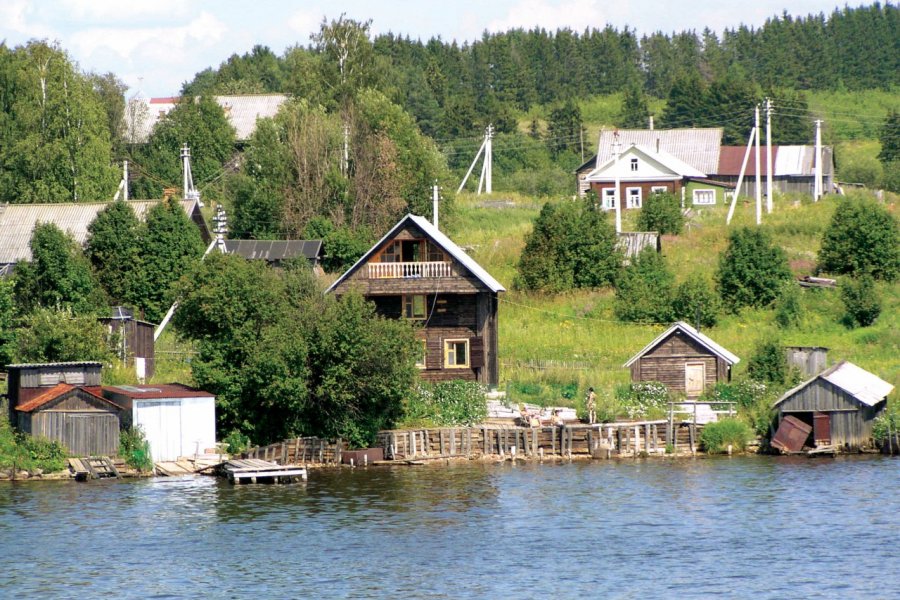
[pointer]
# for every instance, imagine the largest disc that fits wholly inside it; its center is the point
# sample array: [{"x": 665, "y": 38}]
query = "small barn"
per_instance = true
[
  {"x": 77, "y": 417},
  {"x": 684, "y": 359},
  {"x": 839, "y": 405},
  {"x": 176, "y": 420},
  {"x": 28, "y": 381},
  {"x": 134, "y": 340}
]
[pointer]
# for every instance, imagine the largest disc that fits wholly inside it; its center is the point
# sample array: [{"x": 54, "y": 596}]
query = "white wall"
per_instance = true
[{"x": 176, "y": 427}]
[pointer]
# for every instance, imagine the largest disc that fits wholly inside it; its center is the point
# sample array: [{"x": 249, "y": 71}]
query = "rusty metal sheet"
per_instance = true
[
  {"x": 822, "y": 428},
  {"x": 791, "y": 434},
  {"x": 362, "y": 457}
]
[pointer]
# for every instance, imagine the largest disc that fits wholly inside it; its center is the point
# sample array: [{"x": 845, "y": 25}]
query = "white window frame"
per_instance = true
[
  {"x": 634, "y": 165},
  {"x": 448, "y": 352},
  {"x": 695, "y": 196},
  {"x": 409, "y": 301},
  {"x": 659, "y": 189},
  {"x": 630, "y": 197},
  {"x": 609, "y": 198}
]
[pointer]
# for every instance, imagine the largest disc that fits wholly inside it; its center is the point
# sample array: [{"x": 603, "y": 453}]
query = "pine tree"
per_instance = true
[{"x": 113, "y": 248}]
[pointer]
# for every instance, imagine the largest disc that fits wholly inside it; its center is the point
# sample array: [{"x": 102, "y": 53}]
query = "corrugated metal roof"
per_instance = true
[
  {"x": 84, "y": 363},
  {"x": 693, "y": 333},
  {"x": 274, "y": 250},
  {"x": 856, "y": 381},
  {"x": 668, "y": 162},
  {"x": 438, "y": 238},
  {"x": 632, "y": 243},
  {"x": 787, "y": 161},
  {"x": 794, "y": 160},
  {"x": 241, "y": 110},
  {"x": 157, "y": 392},
  {"x": 698, "y": 148},
  {"x": 17, "y": 222},
  {"x": 731, "y": 158}
]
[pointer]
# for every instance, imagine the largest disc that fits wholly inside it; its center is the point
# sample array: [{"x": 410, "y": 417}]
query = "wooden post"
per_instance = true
[
  {"x": 553, "y": 439},
  {"x": 453, "y": 442},
  {"x": 647, "y": 437},
  {"x": 534, "y": 441},
  {"x": 692, "y": 432}
]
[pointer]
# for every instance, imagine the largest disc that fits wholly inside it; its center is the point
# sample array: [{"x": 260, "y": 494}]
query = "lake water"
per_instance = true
[{"x": 735, "y": 527}]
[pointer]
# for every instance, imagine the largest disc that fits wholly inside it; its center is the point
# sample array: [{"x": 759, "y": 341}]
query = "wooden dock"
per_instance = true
[
  {"x": 254, "y": 470},
  {"x": 93, "y": 467}
]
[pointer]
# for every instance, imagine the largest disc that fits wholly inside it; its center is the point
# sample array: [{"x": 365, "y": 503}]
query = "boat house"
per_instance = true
[
  {"x": 416, "y": 272},
  {"x": 838, "y": 406},
  {"x": 684, "y": 359}
]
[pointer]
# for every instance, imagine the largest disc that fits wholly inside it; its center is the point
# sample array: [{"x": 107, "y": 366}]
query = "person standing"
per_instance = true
[{"x": 592, "y": 406}]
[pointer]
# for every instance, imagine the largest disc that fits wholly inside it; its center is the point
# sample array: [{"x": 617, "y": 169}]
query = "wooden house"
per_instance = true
[
  {"x": 276, "y": 252},
  {"x": 416, "y": 272},
  {"x": 28, "y": 381},
  {"x": 78, "y": 417},
  {"x": 684, "y": 359},
  {"x": 176, "y": 420},
  {"x": 135, "y": 345},
  {"x": 839, "y": 405}
]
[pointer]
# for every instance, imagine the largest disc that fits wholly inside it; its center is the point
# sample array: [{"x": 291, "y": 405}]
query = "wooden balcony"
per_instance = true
[{"x": 409, "y": 270}]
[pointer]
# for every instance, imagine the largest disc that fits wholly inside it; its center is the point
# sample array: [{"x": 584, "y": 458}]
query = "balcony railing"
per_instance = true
[{"x": 403, "y": 270}]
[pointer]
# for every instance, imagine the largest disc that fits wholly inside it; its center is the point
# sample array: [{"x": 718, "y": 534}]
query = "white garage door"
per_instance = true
[{"x": 161, "y": 423}]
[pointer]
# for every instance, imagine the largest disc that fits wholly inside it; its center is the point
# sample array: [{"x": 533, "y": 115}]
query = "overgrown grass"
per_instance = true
[
  {"x": 852, "y": 115},
  {"x": 716, "y": 437}
]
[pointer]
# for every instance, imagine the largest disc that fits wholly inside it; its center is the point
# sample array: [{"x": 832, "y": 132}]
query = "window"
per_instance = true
[
  {"x": 435, "y": 254},
  {"x": 609, "y": 198},
  {"x": 658, "y": 189},
  {"x": 415, "y": 306},
  {"x": 391, "y": 254},
  {"x": 421, "y": 358},
  {"x": 704, "y": 196},
  {"x": 633, "y": 197},
  {"x": 456, "y": 354},
  {"x": 634, "y": 164}
]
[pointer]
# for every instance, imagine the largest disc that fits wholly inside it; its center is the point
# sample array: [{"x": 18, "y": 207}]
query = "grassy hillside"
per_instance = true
[{"x": 577, "y": 339}]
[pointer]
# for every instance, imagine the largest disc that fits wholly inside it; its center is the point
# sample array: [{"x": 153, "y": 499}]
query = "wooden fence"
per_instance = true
[{"x": 299, "y": 451}]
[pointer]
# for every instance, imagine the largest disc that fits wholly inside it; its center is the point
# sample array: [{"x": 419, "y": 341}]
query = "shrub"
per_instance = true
[
  {"x": 696, "y": 302},
  {"x": 236, "y": 442},
  {"x": 47, "y": 455},
  {"x": 448, "y": 403},
  {"x": 644, "y": 399},
  {"x": 788, "y": 309},
  {"x": 751, "y": 270},
  {"x": 135, "y": 449},
  {"x": 745, "y": 392},
  {"x": 863, "y": 237},
  {"x": 716, "y": 437},
  {"x": 768, "y": 362},
  {"x": 862, "y": 302},
  {"x": 661, "y": 212},
  {"x": 644, "y": 290}
]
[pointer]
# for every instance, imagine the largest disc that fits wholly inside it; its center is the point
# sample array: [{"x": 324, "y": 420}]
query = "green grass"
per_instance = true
[
  {"x": 852, "y": 115},
  {"x": 579, "y": 327}
]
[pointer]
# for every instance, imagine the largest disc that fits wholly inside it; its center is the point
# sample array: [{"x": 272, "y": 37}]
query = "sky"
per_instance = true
[{"x": 156, "y": 45}]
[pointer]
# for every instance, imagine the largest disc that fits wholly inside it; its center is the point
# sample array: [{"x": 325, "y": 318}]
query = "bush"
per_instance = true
[
  {"x": 47, "y": 455},
  {"x": 448, "y": 403},
  {"x": 862, "y": 238},
  {"x": 642, "y": 400},
  {"x": 661, "y": 212},
  {"x": 135, "y": 449},
  {"x": 751, "y": 270},
  {"x": 716, "y": 437},
  {"x": 695, "y": 301},
  {"x": 644, "y": 290},
  {"x": 236, "y": 442},
  {"x": 862, "y": 302},
  {"x": 788, "y": 309},
  {"x": 754, "y": 402},
  {"x": 768, "y": 362}
]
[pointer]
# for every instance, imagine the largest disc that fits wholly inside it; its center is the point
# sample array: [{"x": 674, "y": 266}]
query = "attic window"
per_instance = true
[{"x": 634, "y": 164}]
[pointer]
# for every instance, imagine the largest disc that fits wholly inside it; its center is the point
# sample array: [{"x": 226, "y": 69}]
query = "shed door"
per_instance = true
[
  {"x": 694, "y": 378},
  {"x": 161, "y": 423},
  {"x": 822, "y": 428}
]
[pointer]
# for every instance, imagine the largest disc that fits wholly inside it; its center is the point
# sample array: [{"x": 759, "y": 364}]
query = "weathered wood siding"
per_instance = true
[
  {"x": 82, "y": 433},
  {"x": 667, "y": 360},
  {"x": 851, "y": 420},
  {"x": 26, "y": 383}
]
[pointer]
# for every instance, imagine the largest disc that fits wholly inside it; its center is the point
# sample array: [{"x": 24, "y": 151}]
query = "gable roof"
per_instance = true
[
  {"x": 438, "y": 238},
  {"x": 693, "y": 334},
  {"x": 666, "y": 161},
  {"x": 17, "y": 222},
  {"x": 57, "y": 392},
  {"x": 696, "y": 147},
  {"x": 856, "y": 381},
  {"x": 157, "y": 391},
  {"x": 272, "y": 250}
]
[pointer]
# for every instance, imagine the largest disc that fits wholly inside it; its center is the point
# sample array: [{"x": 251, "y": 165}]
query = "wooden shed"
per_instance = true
[
  {"x": 684, "y": 359},
  {"x": 840, "y": 404},
  {"x": 77, "y": 417},
  {"x": 135, "y": 344},
  {"x": 27, "y": 381}
]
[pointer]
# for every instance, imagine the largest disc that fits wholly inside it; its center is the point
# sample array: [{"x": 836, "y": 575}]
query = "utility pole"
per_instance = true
[
  {"x": 769, "y": 173},
  {"x": 489, "y": 159},
  {"x": 758, "y": 174},
  {"x": 740, "y": 181},
  {"x": 190, "y": 192},
  {"x": 618, "y": 203},
  {"x": 486, "y": 166},
  {"x": 345, "y": 157},
  {"x": 817, "y": 190},
  {"x": 434, "y": 204}
]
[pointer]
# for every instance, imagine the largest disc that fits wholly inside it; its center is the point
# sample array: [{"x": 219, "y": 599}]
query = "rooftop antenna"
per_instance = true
[{"x": 190, "y": 192}]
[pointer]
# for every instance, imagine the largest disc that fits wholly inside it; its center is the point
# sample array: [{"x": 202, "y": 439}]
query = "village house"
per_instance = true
[
  {"x": 836, "y": 407},
  {"x": 276, "y": 252},
  {"x": 416, "y": 272},
  {"x": 684, "y": 359}
]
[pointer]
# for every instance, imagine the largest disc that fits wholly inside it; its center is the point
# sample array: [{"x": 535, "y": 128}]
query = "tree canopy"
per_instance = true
[
  {"x": 751, "y": 270},
  {"x": 862, "y": 238}
]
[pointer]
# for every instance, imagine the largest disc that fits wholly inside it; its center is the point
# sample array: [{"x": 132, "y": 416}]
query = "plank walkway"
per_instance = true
[
  {"x": 255, "y": 470},
  {"x": 93, "y": 467}
]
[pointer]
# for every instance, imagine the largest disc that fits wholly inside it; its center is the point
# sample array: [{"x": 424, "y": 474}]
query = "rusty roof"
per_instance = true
[
  {"x": 57, "y": 391},
  {"x": 731, "y": 158},
  {"x": 158, "y": 391}
]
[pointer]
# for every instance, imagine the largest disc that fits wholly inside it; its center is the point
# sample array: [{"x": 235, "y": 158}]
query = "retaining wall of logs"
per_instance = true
[{"x": 299, "y": 451}]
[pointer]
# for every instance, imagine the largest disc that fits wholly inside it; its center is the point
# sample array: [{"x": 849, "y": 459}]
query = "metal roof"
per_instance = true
[
  {"x": 856, "y": 381},
  {"x": 697, "y": 337},
  {"x": 242, "y": 111},
  {"x": 274, "y": 250},
  {"x": 17, "y": 222},
  {"x": 438, "y": 238},
  {"x": 632, "y": 243},
  {"x": 58, "y": 390},
  {"x": 157, "y": 391},
  {"x": 697, "y": 147},
  {"x": 662, "y": 159},
  {"x": 732, "y": 157},
  {"x": 787, "y": 161},
  {"x": 83, "y": 363}
]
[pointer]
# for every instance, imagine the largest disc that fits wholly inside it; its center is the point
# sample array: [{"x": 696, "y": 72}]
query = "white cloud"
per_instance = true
[
  {"x": 14, "y": 15},
  {"x": 552, "y": 15},
  {"x": 116, "y": 11},
  {"x": 304, "y": 23}
]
